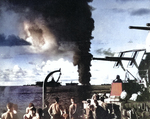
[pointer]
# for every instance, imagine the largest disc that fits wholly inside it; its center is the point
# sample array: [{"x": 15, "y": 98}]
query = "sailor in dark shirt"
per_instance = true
[{"x": 117, "y": 80}]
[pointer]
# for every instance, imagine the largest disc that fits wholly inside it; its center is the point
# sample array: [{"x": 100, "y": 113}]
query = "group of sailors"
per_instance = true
[
  {"x": 96, "y": 108},
  {"x": 56, "y": 111},
  {"x": 12, "y": 112},
  {"x": 53, "y": 111}
]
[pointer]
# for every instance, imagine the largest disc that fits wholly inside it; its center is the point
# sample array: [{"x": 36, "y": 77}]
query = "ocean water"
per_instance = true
[{"x": 20, "y": 95}]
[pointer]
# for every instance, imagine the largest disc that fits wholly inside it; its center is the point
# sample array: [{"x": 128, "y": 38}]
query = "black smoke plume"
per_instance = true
[{"x": 69, "y": 20}]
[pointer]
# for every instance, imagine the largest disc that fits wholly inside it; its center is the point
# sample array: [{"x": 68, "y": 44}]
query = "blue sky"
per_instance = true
[
  {"x": 112, "y": 21},
  {"x": 26, "y": 64}
]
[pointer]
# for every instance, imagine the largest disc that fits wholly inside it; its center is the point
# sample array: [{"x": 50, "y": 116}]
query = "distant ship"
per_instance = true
[{"x": 51, "y": 83}]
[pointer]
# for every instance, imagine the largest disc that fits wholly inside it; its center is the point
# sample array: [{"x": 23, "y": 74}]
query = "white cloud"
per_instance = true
[
  {"x": 46, "y": 67},
  {"x": 16, "y": 69}
]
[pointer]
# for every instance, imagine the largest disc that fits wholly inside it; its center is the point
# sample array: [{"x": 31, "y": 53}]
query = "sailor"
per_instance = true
[
  {"x": 117, "y": 80},
  {"x": 55, "y": 110},
  {"x": 9, "y": 114},
  {"x": 73, "y": 109}
]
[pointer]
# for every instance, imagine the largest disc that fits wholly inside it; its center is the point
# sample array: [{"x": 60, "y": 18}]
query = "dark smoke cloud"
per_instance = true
[
  {"x": 12, "y": 40},
  {"x": 137, "y": 12},
  {"x": 123, "y": 1},
  {"x": 69, "y": 21},
  {"x": 107, "y": 52},
  {"x": 140, "y": 12},
  {"x": 130, "y": 41}
]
